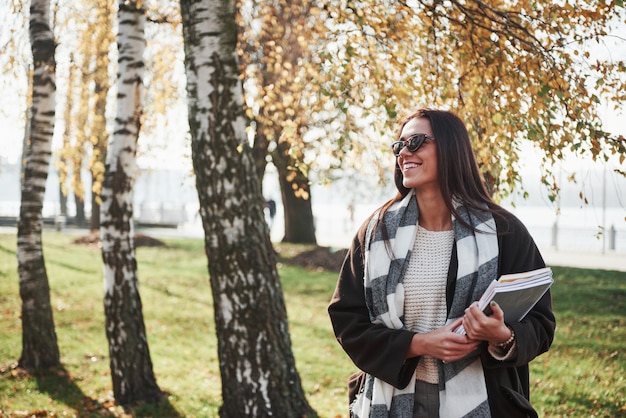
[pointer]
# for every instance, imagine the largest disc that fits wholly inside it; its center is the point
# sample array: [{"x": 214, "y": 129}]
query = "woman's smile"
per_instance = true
[{"x": 419, "y": 168}]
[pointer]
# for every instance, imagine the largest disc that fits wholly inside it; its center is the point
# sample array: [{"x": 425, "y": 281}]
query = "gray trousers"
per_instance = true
[{"x": 426, "y": 403}]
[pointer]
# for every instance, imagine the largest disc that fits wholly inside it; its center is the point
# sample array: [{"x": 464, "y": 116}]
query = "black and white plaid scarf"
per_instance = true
[{"x": 462, "y": 390}]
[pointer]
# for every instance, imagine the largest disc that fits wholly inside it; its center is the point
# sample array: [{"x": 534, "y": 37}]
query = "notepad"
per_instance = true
[{"x": 516, "y": 294}]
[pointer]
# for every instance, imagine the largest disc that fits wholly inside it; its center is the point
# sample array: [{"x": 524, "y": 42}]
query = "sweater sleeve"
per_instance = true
[
  {"x": 535, "y": 333},
  {"x": 373, "y": 348}
]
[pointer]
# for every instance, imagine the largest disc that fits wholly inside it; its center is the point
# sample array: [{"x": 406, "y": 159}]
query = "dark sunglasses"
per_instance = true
[{"x": 413, "y": 143}]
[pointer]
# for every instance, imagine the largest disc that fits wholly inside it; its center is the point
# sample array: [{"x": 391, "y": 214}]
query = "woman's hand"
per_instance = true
[
  {"x": 486, "y": 328},
  {"x": 442, "y": 343}
]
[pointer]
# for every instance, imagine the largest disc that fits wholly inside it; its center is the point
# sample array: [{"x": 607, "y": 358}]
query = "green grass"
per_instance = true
[{"x": 582, "y": 376}]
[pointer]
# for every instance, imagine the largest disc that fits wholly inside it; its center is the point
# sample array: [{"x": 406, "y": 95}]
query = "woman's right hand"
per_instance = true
[{"x": 442, "y": 343}]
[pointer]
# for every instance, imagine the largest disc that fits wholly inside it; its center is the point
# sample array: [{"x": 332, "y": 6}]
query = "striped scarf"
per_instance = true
[{"x": 462, "y": 390}]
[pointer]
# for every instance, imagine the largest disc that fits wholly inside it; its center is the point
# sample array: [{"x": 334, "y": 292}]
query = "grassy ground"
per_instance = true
[{"x": 582, "y": 376}]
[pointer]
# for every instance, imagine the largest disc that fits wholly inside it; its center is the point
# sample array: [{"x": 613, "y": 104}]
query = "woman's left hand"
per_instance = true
[{"x": 486, "y": 328}]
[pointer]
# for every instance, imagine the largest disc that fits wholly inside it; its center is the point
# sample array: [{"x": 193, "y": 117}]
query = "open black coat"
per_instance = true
[{"x": 381, "y": 351}]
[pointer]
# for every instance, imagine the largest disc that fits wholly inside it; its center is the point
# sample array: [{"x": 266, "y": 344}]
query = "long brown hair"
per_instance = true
[{"x": 457, "y": 170}]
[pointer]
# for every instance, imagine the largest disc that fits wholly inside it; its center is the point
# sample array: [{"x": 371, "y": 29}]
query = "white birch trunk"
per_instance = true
[
  {"x": 39, "y": 343},
  {"x": 131, "y": 366},
  {"x": 256, "y": 362}
]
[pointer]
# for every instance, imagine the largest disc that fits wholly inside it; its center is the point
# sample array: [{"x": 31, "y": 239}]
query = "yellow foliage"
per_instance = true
[{"x": 514, "y": 71}]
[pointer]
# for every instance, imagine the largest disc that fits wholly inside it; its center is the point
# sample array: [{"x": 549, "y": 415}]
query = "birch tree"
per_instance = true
[
  {"x": 257, "y": 366},
  {"x": 39, "y": 342},
  {"x": 130, "y": 362}
]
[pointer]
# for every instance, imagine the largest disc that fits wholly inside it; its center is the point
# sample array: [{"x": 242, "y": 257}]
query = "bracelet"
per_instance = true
[{"x": 506, "y": 344}]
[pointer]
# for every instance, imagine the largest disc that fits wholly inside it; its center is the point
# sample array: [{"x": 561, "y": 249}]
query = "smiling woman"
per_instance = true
[{"x": 409, "y": 279}]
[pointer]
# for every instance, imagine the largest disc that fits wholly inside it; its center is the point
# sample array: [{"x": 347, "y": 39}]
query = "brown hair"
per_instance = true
[{"x": 457, "y": 170}]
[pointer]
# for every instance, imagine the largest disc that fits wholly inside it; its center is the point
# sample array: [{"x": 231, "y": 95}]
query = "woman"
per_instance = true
[{"x": 411, "y": 277}]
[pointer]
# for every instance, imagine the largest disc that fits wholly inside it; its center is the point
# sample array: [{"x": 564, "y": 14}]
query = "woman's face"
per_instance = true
[{"x": 419, "y": 168}]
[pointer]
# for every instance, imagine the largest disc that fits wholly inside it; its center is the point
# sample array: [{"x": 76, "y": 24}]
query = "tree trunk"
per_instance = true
[
  {"x": 62, "y": 202},
  {"x": 281, "y": 105},
  {"x": 94, "y": 220},
  {"x": 296, "y": 196},
  {"x": 99, "y": 135},
  {"x": 131, "y": 367},
  {"x": 39, "y": 342},
  {"x": 259, "y": 154},
  {"x": 67, "y": 133},
  {"x": 257, "y": 366},
  {"x": 80, "y": 218}
]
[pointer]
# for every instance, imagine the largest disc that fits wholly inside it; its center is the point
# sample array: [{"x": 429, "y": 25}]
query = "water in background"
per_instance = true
[
  {"x": 169, "y": 197},
  {"x": 579, "y": 229}
]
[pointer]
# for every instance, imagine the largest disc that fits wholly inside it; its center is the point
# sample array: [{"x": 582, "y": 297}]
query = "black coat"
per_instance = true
[{"x": 381, "y": 351}]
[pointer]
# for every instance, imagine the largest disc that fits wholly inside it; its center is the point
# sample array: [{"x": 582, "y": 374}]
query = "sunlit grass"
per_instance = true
[{"x": 582, "y": 375}]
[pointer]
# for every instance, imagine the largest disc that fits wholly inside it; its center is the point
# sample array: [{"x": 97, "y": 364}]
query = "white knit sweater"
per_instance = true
[{"x": 425, "y": 290}]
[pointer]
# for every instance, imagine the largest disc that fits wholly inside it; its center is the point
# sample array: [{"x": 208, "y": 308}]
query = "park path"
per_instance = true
[{"x": 610, "y": 260}]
